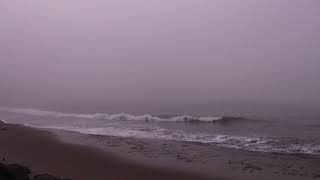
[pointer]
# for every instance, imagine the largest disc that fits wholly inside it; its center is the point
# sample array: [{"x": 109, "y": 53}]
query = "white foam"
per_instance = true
[
  {"x": 4, "y": 121},
  {"x": 239, "y": 142},
  {"x": 229, "y": 141},
  {"x": 120, "y": 116},
  {"x": 114, "y": 131},
  {"x": 235, "y": 142}
]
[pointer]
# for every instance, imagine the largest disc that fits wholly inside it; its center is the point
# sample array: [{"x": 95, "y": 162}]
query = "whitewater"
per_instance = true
[{"x": 224, "y": 131}]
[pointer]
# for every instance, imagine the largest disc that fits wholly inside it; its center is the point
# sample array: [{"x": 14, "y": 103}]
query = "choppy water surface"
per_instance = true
[{"x": 285, "y": 134}]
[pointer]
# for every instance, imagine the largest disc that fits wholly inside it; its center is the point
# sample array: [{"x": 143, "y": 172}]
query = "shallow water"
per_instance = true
[{"x": 273, "y": 130}]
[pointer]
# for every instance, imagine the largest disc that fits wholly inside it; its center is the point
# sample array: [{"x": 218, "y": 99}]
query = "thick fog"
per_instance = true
[{"x": 159, "y": 51}]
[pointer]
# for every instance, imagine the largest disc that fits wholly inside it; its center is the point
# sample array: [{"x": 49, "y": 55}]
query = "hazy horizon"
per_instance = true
[{"x": 159, "y": 52}]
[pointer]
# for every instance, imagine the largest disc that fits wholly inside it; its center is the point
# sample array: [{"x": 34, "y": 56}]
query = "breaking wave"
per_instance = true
[
  {"x": 258, "y": 144},
  {"x": 122, "y": 127},
  {"x": 3, "y": 121},
  {"x": 124, "y": 116}
]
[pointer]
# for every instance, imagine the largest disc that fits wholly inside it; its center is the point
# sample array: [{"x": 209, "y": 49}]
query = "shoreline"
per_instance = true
[
  {"x": 148, "y": 159},
  {"x": 42, "y": 153},
  {"x": 202, "y": 158}
]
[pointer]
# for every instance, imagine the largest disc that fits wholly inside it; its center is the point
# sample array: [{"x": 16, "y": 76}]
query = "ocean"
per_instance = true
[{"x": 289, "y": 129}]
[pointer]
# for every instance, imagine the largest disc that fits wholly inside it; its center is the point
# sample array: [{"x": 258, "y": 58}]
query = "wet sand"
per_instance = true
[
  {"x": 203, "y": 158},
  {"x": 67, "y": 154},
  {"x": 42, "y": 153}
]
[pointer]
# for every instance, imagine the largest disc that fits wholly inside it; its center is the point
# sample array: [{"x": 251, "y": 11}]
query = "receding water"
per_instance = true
[{"x": 253, "y": 128}]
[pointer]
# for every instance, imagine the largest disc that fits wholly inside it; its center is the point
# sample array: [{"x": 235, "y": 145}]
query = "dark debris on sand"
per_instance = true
[{"x": 19, "y": 172}]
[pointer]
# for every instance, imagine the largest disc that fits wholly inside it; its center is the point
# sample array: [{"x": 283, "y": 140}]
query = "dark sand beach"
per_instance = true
[
  {"x": 205, "y": 159},
  {"x": 126, "y": 158},
  {"x": 42, "y": 153},
  {"x": 159, "y": 90}
]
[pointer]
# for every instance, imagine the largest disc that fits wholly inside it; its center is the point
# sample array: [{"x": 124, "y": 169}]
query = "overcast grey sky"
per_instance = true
[{"x": 159, "y": 51}]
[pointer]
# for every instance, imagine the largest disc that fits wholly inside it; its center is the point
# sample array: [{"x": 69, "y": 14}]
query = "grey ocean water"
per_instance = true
[{"x": 267, "y": 128}]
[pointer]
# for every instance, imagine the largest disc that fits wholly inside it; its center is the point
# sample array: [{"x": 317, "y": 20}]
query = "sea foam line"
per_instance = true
[
  {"x": 258, "y": 144},
  {"x": 3, "y": 121},
  {"x": 120, "y": 116}
]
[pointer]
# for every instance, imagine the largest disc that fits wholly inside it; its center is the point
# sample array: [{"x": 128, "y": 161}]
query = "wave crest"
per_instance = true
[
  {"x": 124, "y": 116},
  {"x": 258, "y": 144}
]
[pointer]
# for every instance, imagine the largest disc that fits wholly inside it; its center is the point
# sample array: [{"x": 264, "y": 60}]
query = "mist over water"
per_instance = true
[
  {"x": 151, "y": 52},
  {"x": 263, "y": 131},
  {"x": 238, "y": 74}
]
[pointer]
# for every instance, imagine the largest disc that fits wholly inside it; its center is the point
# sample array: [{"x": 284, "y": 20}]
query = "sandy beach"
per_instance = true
[
  {"x": 204, "y": 159},
  {"x": 126, "y": 158},
  {"x": 42, "y": 153},
  {"x": 159, "y": 90}
]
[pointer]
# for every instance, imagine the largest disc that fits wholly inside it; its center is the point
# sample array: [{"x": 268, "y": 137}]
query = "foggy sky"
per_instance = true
[{"x": 159, "y": 51}]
